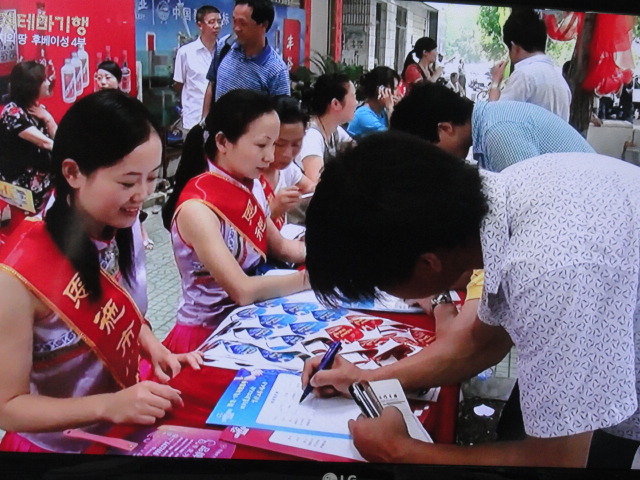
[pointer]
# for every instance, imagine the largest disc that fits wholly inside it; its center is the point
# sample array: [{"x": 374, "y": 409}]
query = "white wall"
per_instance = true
[
  {"x": 417, "y": 26},
  {"x": 390, "y": 32},
  {"x": 419, "y": 14},
  {"x": 372, "y": 36},
  {"x": 320, "y": 27}
]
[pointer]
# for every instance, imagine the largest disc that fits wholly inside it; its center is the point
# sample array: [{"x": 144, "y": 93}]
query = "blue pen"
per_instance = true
[{"x": 325, "y": 363}]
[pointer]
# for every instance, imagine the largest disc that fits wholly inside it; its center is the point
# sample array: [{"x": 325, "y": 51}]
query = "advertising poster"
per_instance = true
[
  {"x": 283, "y": 332},
  {"x": 70, "y": 38},
  {"x": 162, "y": 26}
]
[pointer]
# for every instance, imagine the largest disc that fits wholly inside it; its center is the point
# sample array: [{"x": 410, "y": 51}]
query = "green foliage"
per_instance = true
[
  {"x": 490, "y": 22},
  {"x": 462, "y": 36},
  {"x": 466, "y": 47},
  {"x": 304, "y": 77},
  {"x": 560, "y": 52}
]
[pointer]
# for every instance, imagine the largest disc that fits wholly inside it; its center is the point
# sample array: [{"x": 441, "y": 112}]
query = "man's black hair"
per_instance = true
[
  {"x": 263, "y": 11},
  {"x": 382, "y": 204},
  {"x": 427, "y": 105},
  {"x": 205, "y": 10},
  {"x": 525, "y": 28}
]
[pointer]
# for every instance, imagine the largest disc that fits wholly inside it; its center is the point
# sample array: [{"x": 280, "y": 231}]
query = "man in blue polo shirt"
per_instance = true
[
  {"x": 501, "y": 133},
  {"x": 250, "y": 63}
]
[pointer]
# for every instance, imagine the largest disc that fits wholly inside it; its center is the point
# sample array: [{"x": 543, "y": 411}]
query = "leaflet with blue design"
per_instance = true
[
  {"x": 269, "y": 400},
  {"x": 283, "y": 332}
]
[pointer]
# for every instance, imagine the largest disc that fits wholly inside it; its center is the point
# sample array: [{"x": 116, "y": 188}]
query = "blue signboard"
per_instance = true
[{"x": 162, "y": 26}]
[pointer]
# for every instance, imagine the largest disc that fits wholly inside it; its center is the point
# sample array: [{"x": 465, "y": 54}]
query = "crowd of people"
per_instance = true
[{"x": 541, "y": 230}]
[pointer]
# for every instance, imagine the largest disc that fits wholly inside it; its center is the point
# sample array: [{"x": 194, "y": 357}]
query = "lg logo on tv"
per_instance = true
[{"x": 333, "y": 476}]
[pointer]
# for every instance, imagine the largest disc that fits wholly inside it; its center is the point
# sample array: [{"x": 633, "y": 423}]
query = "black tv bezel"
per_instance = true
[{"x": 61, "y": 466}]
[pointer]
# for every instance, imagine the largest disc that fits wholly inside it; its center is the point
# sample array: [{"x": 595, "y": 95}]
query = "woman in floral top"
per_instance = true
[{"x": 27, "y": 130}]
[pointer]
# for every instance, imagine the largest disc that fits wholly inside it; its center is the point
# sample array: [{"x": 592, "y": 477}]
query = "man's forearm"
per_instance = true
[
  {"x": 468, "y": 347},
  {"x": 569, "y": 452},
  {"x": 494, "y": 92}
]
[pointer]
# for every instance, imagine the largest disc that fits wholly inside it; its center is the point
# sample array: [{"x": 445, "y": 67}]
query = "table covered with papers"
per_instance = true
[{"x": 243, "y": 358}]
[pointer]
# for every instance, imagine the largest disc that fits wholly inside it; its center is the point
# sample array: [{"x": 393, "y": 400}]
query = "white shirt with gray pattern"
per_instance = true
[{"x": 561, "y": 248}]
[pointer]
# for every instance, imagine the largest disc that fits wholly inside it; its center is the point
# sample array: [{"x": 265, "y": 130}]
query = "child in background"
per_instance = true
[{"x": 283, "y": 181}]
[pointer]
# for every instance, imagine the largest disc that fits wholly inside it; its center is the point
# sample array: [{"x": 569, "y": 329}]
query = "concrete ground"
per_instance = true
[{"x": 162, "y": 276}]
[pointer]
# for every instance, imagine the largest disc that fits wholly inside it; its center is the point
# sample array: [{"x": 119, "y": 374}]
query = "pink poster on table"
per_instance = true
[{"x": 177, "y": 441}]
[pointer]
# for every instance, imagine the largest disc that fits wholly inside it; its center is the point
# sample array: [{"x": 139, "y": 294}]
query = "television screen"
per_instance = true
[{"x": 469, "y": 44}]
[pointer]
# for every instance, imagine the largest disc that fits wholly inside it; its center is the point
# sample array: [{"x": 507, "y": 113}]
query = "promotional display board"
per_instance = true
[
  {"x": 162, "y": 26},
  {"x": 70, "y": 38}
]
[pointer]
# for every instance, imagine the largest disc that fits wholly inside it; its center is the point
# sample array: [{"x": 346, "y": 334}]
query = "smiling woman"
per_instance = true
[
  {"x": 100, "y": 177},
  {"x": 114, "y": 197},
  {"x": 220, "y": 225},
  {"x": 71, "y": 344}
]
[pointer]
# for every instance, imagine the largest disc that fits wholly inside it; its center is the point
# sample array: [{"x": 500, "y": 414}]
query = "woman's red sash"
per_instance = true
[
  {"x": 231, "y": 201},
  {"x": 109, "y": 326},
  {"x": 271, "y": 195}
]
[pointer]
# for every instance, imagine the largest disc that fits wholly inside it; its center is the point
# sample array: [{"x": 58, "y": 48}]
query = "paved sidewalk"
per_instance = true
[{"x": 163, "y": 278}]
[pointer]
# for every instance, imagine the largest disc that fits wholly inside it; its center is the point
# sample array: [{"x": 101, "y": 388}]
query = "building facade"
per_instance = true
[
  {"x": 367, "y": 32},
  {"x": 382, "y": 32}
]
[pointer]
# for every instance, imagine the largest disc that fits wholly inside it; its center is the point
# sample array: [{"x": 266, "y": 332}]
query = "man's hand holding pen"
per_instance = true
[{"x": 331, "y": 381}]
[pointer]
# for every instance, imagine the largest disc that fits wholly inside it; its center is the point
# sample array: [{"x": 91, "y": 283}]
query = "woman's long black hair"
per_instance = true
[
  {"x": 423, "y": 44},
  {"x": 25, "y": 81},
  {"x": 96, "y": 132},
  {"x": 231, "y": 115}
]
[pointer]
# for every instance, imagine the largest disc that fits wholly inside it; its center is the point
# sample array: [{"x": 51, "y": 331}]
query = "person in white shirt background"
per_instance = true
[
  {"x": 455, "y": 85},
  {"x": 535, "y": 78},
  {"x": 192, "y": 64},
  {"x": 332, "y": 103}
]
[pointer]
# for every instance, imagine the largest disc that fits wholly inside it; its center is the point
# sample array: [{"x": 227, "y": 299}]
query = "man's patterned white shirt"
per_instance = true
[{"x": 561, "y": 248}]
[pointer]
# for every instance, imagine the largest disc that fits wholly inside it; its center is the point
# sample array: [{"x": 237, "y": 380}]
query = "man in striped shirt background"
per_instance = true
[
  {"x": 250, "y": 63},
  {"x": 500, "y": 133}
]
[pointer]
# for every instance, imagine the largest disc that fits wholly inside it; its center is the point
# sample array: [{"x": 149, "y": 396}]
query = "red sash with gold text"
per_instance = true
[
  {"x": 271, "y": 195},
  {"x": 233, "y": 202},
  {"x": 109, "y": 326}
]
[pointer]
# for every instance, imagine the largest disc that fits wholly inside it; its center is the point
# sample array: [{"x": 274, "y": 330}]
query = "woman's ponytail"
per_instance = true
[
  {"x": 409, "y": 60},
  {"x": 193, "y": 162}
]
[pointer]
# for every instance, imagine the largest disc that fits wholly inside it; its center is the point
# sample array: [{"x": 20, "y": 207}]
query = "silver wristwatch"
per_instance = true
[{"x": 444, "y": 297}]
